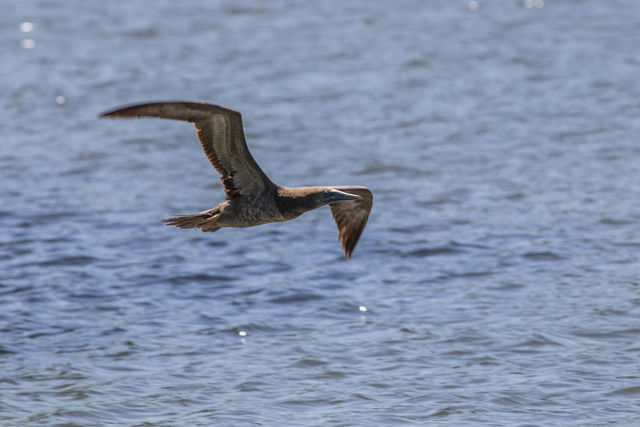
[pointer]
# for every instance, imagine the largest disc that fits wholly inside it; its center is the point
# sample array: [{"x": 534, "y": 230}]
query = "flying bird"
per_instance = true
[{"x": 251, "y": 197}]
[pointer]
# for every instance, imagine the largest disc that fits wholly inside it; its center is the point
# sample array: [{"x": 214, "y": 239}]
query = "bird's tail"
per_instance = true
[{"x": 205, "y": 221}]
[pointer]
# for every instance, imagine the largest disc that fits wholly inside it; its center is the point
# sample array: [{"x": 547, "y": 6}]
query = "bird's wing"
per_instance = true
[
  {"x": 221, "y": 136},
  {"x": 351, "y": 216}
]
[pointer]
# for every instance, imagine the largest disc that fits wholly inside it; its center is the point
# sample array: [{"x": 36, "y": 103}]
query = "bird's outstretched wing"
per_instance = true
[
  {"x": 221, "y": 136},
  {"x": 351, "y": 216}
]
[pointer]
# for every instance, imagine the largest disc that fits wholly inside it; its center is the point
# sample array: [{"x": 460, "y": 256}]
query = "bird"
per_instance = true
[{"x": 251, "y": 197}]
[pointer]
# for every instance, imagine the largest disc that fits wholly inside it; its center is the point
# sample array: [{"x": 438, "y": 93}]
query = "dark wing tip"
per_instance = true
[
  {"x": 179, "y": 110},
  {"x": 350, "y": 236},
  {"x": 120, "y": 112},
  {"x": 351, "y": 217},
  {"x": 128, "y": 110},
  {"x": 103, "y": 114}
]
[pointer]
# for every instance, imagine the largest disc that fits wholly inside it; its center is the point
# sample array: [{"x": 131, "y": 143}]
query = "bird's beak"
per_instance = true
[{"x": 333, "y": 196}]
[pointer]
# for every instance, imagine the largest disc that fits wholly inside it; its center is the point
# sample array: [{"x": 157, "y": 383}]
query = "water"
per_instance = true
[{"x": 495, "y": 284}]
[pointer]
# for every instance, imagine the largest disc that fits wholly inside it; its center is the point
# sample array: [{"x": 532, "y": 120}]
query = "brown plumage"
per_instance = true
[{"x": 252, "y": 199}]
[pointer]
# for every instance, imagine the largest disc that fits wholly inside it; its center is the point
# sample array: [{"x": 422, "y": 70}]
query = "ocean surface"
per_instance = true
[{"x": 497, "y": 282}]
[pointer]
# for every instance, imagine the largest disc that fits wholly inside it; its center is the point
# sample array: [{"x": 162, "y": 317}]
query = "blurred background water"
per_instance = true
[{"x": 496, "y": 282}]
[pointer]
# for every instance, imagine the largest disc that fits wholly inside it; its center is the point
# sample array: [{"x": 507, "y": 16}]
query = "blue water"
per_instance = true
[{"x": 495, "y": 284}]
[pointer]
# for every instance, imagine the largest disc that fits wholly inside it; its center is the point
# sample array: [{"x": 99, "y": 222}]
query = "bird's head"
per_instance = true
[{"x": 296, "y": 201}]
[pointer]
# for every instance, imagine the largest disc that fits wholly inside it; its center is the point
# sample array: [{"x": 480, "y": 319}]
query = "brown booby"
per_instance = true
[{"x": 251, "y": 197}]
